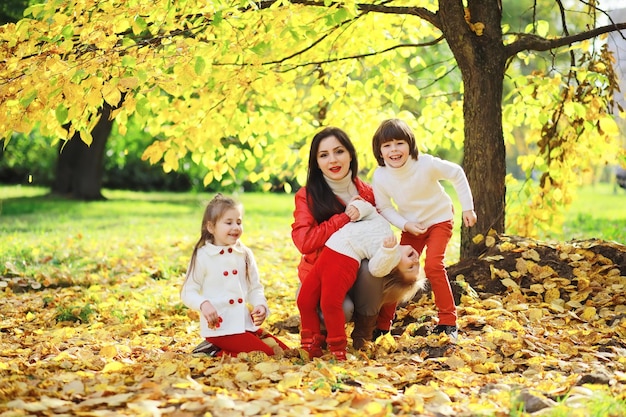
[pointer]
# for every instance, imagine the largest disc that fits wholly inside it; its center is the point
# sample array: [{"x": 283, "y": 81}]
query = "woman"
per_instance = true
[{"x": 320, "y": 210}]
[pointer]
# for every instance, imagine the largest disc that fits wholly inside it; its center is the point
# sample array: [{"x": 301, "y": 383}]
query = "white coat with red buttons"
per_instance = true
[{"x": 219, "y": 276}]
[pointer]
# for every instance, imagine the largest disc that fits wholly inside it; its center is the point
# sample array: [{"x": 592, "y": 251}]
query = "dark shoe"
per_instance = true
[
  {"x": 207, "y": 348},
  {"x": 451, "y": 331},
  {"x": 377, "y": 333}
]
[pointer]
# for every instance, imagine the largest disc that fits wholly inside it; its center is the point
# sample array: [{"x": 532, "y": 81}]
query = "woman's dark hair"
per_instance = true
[
  {"x": 321, "y": 200},
  {"x": 389, "y": 130}
]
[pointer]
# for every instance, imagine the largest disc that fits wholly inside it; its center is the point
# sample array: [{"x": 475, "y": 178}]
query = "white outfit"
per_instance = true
[
  {"x": 219, "y": 276},
  {"x": 363, "y": 239},
  {"x": 417, "y": 193}
]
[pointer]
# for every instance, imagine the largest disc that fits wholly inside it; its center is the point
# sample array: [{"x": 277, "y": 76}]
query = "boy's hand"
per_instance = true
[
  {"x": 469, "y": 218},
  {"x": 390, "y": 242},
  {"x": 210, "y": 314},
  {"x": 415, "y": 228},
  {"x": 259, "y": 313}
]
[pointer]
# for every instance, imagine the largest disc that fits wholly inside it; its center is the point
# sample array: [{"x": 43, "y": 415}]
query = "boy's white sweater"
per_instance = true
[
  {"x": 413, "y": 193},
  {"x": 363, "y": 239}
]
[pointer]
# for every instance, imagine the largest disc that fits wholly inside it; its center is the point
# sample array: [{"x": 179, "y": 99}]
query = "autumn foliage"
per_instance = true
[{"x": 91, "y": 323}]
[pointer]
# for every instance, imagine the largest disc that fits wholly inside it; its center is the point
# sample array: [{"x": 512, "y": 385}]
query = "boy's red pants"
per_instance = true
[
  {"x": 327, "y": 285},
  {"x": 436, "y": 239},
  {"x": 233, "y": 344}
]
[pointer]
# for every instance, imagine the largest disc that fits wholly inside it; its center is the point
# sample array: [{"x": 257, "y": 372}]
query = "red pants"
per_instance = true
[
  {"x": 436, "y": 239},
  {"x": 327, "y": 285},
  {"x": 233, "y": 344}
]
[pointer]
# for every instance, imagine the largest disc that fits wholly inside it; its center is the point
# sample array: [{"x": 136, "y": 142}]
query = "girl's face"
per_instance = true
[
  {"x": 395, "y": 152},
  {"x": 333, "y": 158},
  {"x": 409, "y": 262},
  {"x": 227, "y": 229}
]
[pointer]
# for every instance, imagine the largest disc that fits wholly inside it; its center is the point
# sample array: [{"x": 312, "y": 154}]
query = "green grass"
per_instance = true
[
  {"x": 145, "y": 219},
  {"x": 599, "y": 211}
]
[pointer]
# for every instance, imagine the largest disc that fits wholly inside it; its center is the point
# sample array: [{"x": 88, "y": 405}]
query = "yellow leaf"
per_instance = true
[
  {"x": 30, "y": 316},
  {"x": 114, "y": 366},
  {"x": 108, "y": 352},
  {"x": 477, "y": 239},
  {"x": 165, "y": 369},
  {"x": 111, "y": 94},
  {"x": 588, "y": 314}
]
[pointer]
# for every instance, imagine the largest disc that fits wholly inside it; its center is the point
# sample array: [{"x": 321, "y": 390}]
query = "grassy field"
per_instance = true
[{"x": 26, "y": 213}]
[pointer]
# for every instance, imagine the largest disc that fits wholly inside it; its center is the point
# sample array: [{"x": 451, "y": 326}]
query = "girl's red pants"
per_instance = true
[
  {"x": 233, "y": 344},
  {"x": 327, "y": 285}
]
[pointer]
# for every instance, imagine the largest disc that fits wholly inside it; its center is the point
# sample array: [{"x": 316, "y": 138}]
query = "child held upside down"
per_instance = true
[{"x": 335, "y": 270}]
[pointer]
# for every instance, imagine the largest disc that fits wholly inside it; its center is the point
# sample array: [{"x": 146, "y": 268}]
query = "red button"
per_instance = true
[
  {"x": 230, "y": 250},
  {"x": 222, "y": 252},
  {"x": 240, "y": 301},
  {"x": 219, "y": 319},
  {"x": 225, "y": 273},
  {"x": 234, "y": 272},
  {"x": 231, "y": 301}
]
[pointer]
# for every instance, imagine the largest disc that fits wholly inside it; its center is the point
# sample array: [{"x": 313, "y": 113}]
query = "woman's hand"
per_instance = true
[
  {"x": 210, "y": 314},
  {"x": 258, "y": 313}
]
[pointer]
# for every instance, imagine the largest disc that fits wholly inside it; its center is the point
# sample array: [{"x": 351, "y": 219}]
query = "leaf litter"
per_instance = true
[{"x": 542, "y": 328}]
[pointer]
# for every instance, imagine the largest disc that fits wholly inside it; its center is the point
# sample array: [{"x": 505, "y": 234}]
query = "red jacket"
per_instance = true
[{"x": 309, "y": 236}]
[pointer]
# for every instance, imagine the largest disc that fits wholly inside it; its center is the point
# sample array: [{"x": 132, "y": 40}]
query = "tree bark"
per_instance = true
[
  {"x": 481, "y": 58},
  {"x": 80, "y": 167}
]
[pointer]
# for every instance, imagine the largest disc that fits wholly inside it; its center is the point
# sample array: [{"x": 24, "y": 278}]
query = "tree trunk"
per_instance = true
[
  {"x": 80, "y": 167},
  {"x": 481, "y": 59}
]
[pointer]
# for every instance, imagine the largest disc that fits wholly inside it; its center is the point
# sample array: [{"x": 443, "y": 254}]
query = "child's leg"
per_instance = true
[
  {"x": 436, "y": 240},
  {"x": 338, "y": 275},
  {"x": 242, "y": 342},
  {"x": 309, "y": 298}
]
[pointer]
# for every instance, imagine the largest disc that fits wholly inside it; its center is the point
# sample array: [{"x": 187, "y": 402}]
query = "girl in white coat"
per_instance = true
[{"x": 223, "y": 285}]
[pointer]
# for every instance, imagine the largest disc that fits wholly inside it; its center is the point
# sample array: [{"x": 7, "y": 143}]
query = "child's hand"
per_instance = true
[
  {"x": 415, "y": 228},
  {"x": 210, "y": 314},
  {"x": 469, "y": 218},
  {"x": 390, "y": 242},
  {"x": 259, "y": 313},
  {"x": 352, "y": 212}
]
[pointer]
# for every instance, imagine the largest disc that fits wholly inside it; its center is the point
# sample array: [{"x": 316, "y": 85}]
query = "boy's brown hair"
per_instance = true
[{"x": 389, "y": 130}]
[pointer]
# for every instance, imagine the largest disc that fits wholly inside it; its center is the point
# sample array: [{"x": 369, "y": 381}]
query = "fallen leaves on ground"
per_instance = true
[{"x": 543, "y": 329}]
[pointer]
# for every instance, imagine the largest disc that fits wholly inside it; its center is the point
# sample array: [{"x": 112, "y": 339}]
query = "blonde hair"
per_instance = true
[{"x": 398, "y": 288}]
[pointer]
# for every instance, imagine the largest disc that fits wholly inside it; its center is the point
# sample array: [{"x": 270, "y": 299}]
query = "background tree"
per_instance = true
[{"x": 248, "y": 83}]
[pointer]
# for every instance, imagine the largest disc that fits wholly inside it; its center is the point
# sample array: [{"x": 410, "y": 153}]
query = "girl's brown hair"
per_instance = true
[
  {"x": 212, "y": 213},
  {"x": 389, "y": 130}
]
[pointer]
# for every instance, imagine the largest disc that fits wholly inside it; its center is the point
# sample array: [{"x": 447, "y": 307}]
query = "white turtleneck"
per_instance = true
[
  {"x": 416, "y": 192},
  {"x": 343, "y": 188}
]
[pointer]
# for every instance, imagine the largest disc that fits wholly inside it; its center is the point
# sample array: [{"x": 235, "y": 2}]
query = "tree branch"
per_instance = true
[
  {"x": 530, "y": 42},
  {"x": 425, "y": 14}
]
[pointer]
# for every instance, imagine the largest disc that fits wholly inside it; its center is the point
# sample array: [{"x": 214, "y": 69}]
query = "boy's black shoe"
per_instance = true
[
  {"x": 377, "y": 333},
  {"x": 451, "y": 331},
  {"x": 207, "y": 348}
]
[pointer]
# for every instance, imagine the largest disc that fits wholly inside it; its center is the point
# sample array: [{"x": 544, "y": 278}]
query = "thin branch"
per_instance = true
[{"x": 531, "y": 42}]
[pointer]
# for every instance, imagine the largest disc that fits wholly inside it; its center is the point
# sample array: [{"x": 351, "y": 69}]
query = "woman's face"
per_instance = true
[{"x": 333, "y": 158}]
